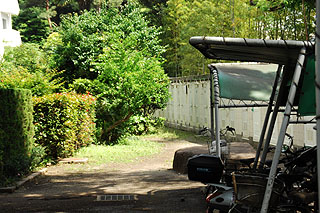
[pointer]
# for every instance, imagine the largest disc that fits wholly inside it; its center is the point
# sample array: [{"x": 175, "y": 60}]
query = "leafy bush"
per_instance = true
[
  {"x": 18, "y": 77},
  {"x": 37, "y": 156},
  {"x": 82, "y": 85},
  {"x": 139, "y": 125},
  {"x": 16, "y": 132},
  {"x": 131, "y": 84},
  {"x": 25, "y": 67},
  {"x": 64, "y": 122},
  {"x": 116, "y": 55},
  {"x": 32, "y": 28},
  {"x": 85, "y": 36},
  {"x": 27, "y": 55}
]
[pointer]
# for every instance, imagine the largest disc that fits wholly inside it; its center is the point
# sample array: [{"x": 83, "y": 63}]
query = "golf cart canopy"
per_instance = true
[
  {"x": 256, "y": 83},
  {"x": 250, "y": 50},
  {"x": 296, "y": 87}
]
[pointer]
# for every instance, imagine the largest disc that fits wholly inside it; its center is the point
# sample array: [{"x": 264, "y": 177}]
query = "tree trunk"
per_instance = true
[
  {"x": 305, "y": 21},
  {"x": 47, "y": 9},
  {"x": 119, "y": 122}
]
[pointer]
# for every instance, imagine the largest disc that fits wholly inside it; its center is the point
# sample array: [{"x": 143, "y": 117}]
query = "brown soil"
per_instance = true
[{"x": 74, "y": 188}]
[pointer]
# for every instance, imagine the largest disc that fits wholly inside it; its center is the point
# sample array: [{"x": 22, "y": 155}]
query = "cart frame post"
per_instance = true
[
  {"x": 214, "y": 79},
  {"x": 317, "y": 88},
  {"x": 284, "y": 125},
  {"x": 266, "y": 120}
]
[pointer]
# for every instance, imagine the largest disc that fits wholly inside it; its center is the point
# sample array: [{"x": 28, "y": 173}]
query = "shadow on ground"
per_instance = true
[
  {"x": 154, "y": 191},
  {"x": 152, "y": 182}
]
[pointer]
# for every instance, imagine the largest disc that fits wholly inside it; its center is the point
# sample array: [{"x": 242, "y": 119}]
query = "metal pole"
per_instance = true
[
  {"x": 282, "y": 91},
  {"x": 211, "y": 105},
  {"x": 216, "y": 107},
  {"x": 317, "y": 73},
  {"x": 266, "y": 120},
  {"x": 284, "y": 125}
]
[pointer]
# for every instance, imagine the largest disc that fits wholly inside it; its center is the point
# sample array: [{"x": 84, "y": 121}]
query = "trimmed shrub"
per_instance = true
[
  {"x": 16, "y": 132},
  {"x": 64, "y": 122}
]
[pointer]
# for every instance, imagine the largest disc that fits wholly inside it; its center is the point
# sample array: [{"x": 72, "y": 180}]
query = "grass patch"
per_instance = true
[
  {"x": 170, "y": 133},
  {"x": 127, "y": 151},
  {"x": 131, "y": 149}
]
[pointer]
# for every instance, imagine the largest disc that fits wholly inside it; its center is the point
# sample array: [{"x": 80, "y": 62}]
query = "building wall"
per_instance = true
[
  {"x": 8, "y": 36},
  {"x": 189, "y": 109}
]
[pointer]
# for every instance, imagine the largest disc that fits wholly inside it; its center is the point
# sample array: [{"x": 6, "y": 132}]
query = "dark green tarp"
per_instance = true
[
  {"x": 307, "y": 101},
  {"x": 246, "y": 81}
]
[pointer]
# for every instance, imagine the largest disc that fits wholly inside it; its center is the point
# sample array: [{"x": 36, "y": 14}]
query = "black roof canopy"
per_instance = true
[{"x": 282, "y": 52}]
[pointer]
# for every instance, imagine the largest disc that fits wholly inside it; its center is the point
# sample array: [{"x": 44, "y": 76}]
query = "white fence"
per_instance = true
[{"x": 189, "y": 109}]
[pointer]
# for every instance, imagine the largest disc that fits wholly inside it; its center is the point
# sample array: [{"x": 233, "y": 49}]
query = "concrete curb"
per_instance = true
[
  {"x": 73, "y": 160},
  {"x": 11, "y": 189}
]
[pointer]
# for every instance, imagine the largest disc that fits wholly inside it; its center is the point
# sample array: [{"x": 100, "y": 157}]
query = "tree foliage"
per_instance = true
[
  {"x": 116, "y": 55},
  {"x": 26, "y": 67},
  {"x": 131, "y": 82},
  {"x": 32, "y": 27},
  {"x": 85, "y": 36},
  {"x": 182, "y": 19}
]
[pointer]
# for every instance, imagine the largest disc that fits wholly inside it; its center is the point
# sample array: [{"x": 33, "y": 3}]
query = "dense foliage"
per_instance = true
[
  {"x": 85, "y": 36},
  {"x": 131, "y": 83},
  {"x": 26, "y": 67},
  {"x": 32, "y": 27},
  {"x": 180, "y": 19},
  {"x": 64, "y": 122},
  {"x": 183, "y": 19},
  {"x": 116, "y": 55},
  {"x": 16, "y": 133}
]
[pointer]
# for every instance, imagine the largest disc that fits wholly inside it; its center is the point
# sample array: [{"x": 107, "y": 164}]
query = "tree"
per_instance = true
[
  {"x": 131, "y": 83},
  {"x": 182, "y": 19},
  {"x": 26, "y": 67},
  {"x": 155, "y": 10},
  {"x": 31, "y": 26},
  {"x": 294, "y": 19},
  {"x": 115, "y": 55}
]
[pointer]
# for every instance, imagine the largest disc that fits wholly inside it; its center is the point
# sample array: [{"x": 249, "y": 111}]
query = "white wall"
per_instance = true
[
  {"x": 8, "y": 36},
  {"x": 189, "y": 109}
]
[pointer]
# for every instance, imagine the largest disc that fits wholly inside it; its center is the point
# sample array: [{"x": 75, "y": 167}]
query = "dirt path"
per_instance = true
[{"x": 150, "y": 182}]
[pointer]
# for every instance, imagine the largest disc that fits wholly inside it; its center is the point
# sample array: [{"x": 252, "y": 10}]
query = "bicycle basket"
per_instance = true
[{"x": 250, "y": 187}]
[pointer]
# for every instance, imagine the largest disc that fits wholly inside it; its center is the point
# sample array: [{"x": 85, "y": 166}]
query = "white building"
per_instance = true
[{"x": 8, "y": 36}]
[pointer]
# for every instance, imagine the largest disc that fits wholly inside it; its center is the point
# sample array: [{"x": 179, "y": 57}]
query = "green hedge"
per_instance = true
[
  {"x": 64, "y": 122},
  {"x": 16, "y": 132}
]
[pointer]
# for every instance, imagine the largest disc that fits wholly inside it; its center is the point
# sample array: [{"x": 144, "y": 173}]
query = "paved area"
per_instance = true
[{"x": 149, "y": 182}]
